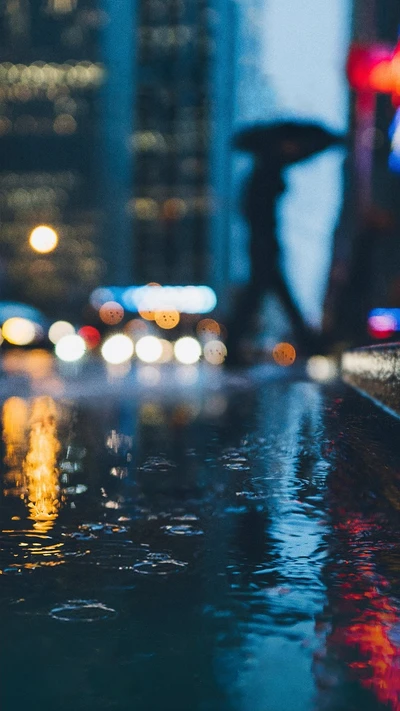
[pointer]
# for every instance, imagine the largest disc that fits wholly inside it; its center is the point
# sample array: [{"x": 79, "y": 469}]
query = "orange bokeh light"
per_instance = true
[
  {"x": 145, "y": 313},
  {"x": 207, "y": 327},
  {"x": 167, "y": 319},
  {"x": 284, "y": 354}
]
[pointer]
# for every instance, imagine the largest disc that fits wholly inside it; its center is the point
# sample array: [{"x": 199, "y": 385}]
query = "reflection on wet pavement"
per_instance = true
[{"x": 227, "y": 551}]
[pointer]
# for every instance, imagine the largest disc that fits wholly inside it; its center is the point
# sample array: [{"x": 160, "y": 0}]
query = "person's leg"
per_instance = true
[
  {"x": 244, "y": 311},
  {"x": 306, "y": 338}
]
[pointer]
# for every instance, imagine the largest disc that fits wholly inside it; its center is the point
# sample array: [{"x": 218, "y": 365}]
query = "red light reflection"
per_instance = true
[{"x": 371, "y": 634}]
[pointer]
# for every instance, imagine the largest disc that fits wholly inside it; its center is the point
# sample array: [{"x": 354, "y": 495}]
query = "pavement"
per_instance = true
[{"x": 182, "y": 537}]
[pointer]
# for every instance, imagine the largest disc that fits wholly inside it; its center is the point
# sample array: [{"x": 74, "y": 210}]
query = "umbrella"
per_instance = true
[{"x": 287, "y": 142}]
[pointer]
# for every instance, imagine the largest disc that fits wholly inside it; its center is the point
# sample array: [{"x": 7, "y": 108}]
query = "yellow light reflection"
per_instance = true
[
  {"x": 40, "y": 465},
  {"x": 43, "y": 239},
  {"x": 14, "y": 425}
]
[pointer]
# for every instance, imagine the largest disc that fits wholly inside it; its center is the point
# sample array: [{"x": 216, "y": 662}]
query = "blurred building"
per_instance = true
[
  {"x": 182, "y": 126},
  {"x": 49, "y": 84},
  {"x": 366, "y": 270},
  {"x": 149, "y": 136}
]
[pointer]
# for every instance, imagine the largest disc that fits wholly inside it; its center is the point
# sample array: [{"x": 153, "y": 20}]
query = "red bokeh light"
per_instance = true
[
  {"x": 362, "y": 60},
  {"x": 90, "y": 335}
]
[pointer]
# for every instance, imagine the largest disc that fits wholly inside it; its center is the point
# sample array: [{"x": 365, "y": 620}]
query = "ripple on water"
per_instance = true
[
  {"x": 234, "y": 459},
  {"x": 93, "y": 531},
  {"x": 157, "y": 464},
  {"x": 182, "y": 530},
  {"x": 97, "y": 529},
  {"x": 23, "y": 551},
  {"x": 82, "y": 611},
  {"x": 186, "y": 518},
  {"x": 159, "y": 564},
  {"x": 251, "y": 495}
]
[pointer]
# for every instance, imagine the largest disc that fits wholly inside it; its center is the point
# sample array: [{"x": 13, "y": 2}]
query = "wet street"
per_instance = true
[{"x": 225, "y": 548}]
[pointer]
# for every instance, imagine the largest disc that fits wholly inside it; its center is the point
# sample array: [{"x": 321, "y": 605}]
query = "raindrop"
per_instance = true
[
  {"x": 237, "y": 465},
  {"x": 232, "y": 459},
  {"x": 159, "y": 564},
  {"x": 119, "y": 472},
  {"x": 95, "y": 529},
  {"x": 157, "y": 464},
  {"x": 182, "y": 530},
  {"x": 82, "y": 611},
  {"x": 186, "y": 517},
  {"x": 78, "y": 489},
  {"x": 70, "y": 467},
  {"x": 250, "y": 495}
]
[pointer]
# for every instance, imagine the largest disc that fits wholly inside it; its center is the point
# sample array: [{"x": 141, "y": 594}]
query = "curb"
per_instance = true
[{"x": 375, "y": 372}]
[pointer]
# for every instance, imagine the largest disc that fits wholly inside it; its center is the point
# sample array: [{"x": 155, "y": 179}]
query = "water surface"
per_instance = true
[{"x": 225, "y": 551}]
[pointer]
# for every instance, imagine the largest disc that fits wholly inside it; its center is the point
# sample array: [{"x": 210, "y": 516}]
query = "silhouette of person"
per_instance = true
[{"x": 274, "y": 146}]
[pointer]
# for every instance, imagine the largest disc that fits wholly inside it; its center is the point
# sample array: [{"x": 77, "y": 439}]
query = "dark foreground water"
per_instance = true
[{"x": 210, "y": 553}]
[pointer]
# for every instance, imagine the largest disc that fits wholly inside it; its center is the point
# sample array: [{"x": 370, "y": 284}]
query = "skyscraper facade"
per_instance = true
[
  {"x": 49, "y": 84},
  {"x": 128, "y": 101},
  {"x": 171, "y": 204}
]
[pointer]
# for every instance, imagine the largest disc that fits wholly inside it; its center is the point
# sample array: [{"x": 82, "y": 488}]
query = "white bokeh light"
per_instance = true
[
  {"x": 187, "y": 350},
  {"x": 149, "y": 349},
  {"x": 117, "y": 349},
  {"x": 58, "y": 329},
  {"x": 215, "y": 352},
  {"x": 43, "y": 239},
  {"x": 70, "y": 348}
]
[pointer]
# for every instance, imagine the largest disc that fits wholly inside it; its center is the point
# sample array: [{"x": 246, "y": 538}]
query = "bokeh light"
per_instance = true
[
  {"x": 215, "y": 352},
  {"x": 70, "y": 348},
  {"x": 43, "y": 239},
  {"x": 19, "y": 331},
  {"x": 187, "y": 350},
  {"x": 143, "y": 310},
  {"x": 284, "y": 354},
  {"x": 188, "y": 375},
  {"x": 117, "y": 371},
  {"x": 117, "y": 349},
  {"x": 111, "y": 313},
  {"x": 208, "y": 329},
  {"x": 168, "y": 318},
  {"x": 382, "y": 326},
  {"x": 321, "y": 368},
  {"x": 90, "y": 335},
  {"x": 58, "y": 329},
  {"x": 167, "y": 353},
  {"x": 146, "y": 314},
  {"x": 148, "y": 375},
  {"x": 136, "y": 328},
  {"x": 149, "y": 349}
]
